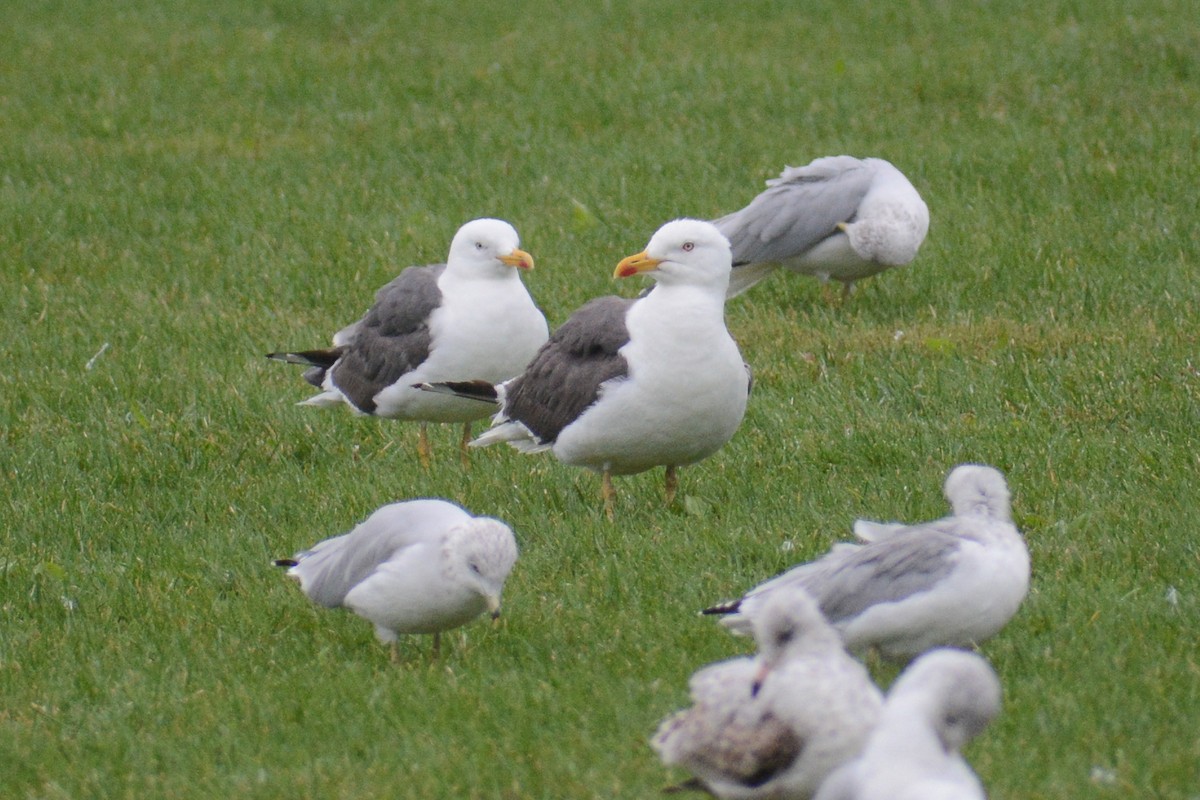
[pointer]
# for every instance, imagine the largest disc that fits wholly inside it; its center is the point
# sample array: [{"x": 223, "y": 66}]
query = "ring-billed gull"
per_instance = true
[
  {"x": 420, "y": 566},
  {"x": 839, "y": 218},
  {"x": 908, "y": 588},
  {"x": 469, "y": 318},
  {"x": 627, "y": 385},
  {"x": 774, "y": 726},
  {"x": 943, "y": 700}
]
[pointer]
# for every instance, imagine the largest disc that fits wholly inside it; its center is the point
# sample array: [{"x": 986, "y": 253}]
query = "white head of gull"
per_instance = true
[
  {"x": 421, "y": 566},
  {"x": 953, "y": 582},
  {"x": 838, "y": 218},
  {"x": 627, "y": 385},
  {"x": 775, "y": 725},
  {"x": 469, "y": 318},
  {"x": 942, "y": 701}
]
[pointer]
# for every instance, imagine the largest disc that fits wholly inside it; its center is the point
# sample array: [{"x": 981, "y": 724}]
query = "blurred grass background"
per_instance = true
[{"x": 186, "y": 186}]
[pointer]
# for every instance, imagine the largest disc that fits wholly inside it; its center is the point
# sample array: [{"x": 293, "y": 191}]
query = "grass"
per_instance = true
[{"x": 184, "y": 187}]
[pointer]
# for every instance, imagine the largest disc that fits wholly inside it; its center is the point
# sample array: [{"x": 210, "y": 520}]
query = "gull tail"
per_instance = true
[
  {"x": 482, "y": 391},
  {"x": 319, "y": 362}
]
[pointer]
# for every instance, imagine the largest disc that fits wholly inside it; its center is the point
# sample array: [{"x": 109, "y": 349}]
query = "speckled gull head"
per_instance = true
[
  {"x": 686, "y": 251},
  {"x": 953, "y": 691},
  {"x": 978, "y": 490},
  {"x": 487, "y": 247},
  {"x": 789, "y": 625},
  {"x": 480, "y": 554}
]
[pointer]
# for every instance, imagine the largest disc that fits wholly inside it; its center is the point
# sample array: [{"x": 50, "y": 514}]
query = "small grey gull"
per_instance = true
[
  {"x": 469, "y": 318},
  {"x": 774, "y": 726},
  {"x": 626, "y": 385},
  {"x": 839, "y": 218},
  {"x": 942, "y": 701},
  {"x": 420, "y": 566},
  {"x": 907, "y": 588}
]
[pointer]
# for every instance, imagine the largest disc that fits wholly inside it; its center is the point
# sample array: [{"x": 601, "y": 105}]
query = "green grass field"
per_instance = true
[{"x": 187, "y": 186}]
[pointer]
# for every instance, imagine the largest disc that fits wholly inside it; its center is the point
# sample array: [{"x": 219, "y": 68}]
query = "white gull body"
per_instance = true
[
  {"x": 776, "y": 725},
  {"x": 421, "y": 566},
  {"x": 943, "y": 700},
  {"x": 838, "y": 218},
  {"x": 908, "y": 588}
]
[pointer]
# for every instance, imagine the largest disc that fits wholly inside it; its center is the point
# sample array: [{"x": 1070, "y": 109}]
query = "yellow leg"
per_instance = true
[
  {"x": 609, "y": 495},
  {"x": 672, "y": 484},
  {"x": 394, "y": 652},
  {"x": 423, "y": 449},
  {"x": 463, "y": 446}
]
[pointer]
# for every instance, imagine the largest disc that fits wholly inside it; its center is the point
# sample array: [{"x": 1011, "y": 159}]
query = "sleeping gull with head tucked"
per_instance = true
[
  {"x": 627, "y": 385},
  {"x": 421, "y": 566},
  {"x": 469, "y": 318},
  {"x": 774, "y": 726},
  {"x": 907, "y": 588},
  {"x": 942, "y": 701},
  {"x": 839, "y": 218}
]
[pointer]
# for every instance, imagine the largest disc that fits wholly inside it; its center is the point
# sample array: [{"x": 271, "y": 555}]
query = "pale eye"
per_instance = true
[
  {"x": 479, "y": 246},
  {"x": 689, "y": 247}
]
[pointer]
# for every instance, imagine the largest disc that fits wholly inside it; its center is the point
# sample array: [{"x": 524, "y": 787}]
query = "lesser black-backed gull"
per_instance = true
[
  {"x": 469, "y": 318},
  {"x": 908, "y": 588}
]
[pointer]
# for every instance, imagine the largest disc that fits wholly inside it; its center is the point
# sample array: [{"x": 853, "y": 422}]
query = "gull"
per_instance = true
[
  {"x": 839, "y": 218},
  {"x": 420, "y": 566},
  {"x": 469, "y": 318},
  {"x": 627, "y": 385},
  {"x": 942, "y": 701},
  {"x": 774, "y": 726},
  {"x": 907, "y": 588}
]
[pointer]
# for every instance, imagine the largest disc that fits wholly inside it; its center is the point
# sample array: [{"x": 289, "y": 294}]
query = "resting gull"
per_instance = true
[
  {"x": 627, "y": 385},
  {"x": 469, "y": 318},
  {"x": 421, "y": 566},
  {"x": 840, "y": 218},
  {"x": 774, "y": 726},
  {"x": 937, "y": 705},
  {"x": 908, "y": 588}
]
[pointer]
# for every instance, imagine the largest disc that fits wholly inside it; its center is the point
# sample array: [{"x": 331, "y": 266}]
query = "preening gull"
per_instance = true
[
  {"x": 937, "y": 705},
  {"x": 420, "y": 566},
  {"x": 774, "y": 726},
  {"x": 908, "y": 588},
  {"x": 839, "y": 218},
  {"x": 469, "y": 318},
  {"x": 627, "y": 385}
]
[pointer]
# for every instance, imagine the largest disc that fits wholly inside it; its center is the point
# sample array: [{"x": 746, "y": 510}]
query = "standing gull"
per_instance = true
[
  {"x": 839, "y": 218},
  {"x": 421, "y": 566},
  {"x": 908, "y": 588},
  {"x": 469, "y": 318},
  {"x": 627, "y": 385},
  {"x": 774, "y": 726},
  {"x": 942, "y": 701}
]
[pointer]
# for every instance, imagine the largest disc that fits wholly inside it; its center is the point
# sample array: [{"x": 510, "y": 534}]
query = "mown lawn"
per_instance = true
[{"x": 187, "y": 186}]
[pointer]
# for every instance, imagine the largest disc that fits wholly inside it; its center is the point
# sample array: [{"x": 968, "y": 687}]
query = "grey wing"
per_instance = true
[
  {"x": 888, "y": 571},
  {"x": 333, "y": 567},
  {"x": 799, "y": 209},
  {"x": 565, "y": 376},
  {"x": 393, "y": 337}
]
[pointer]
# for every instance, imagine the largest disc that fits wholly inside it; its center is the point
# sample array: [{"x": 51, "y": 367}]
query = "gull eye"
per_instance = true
[
  {"x": 475, "y": 568},
  {"x": 479, "y": 246},
  {"x": 689, "y": 247},
  {"x": 783, "y": 637}
]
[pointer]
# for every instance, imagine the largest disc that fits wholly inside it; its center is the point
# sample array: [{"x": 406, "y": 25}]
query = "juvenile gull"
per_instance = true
[
  {"x": 627, "y": 385},
  {"x": 469, "y": 318},
  {"x": 907, "y": 588},
  {"x": 774, "y": 726},
  {"x": 839, "y": 218},
  {"x": 421, "y": 566},
  {"x": 937, "y": 705}
]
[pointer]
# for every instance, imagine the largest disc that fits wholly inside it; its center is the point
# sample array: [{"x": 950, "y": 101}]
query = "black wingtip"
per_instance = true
[
  {"x": 285, "y": 562},
  {"x": 722, "y": 608}
]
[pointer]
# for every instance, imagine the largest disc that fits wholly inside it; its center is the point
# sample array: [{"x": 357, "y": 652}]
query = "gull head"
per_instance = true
[
  {"x": 487, "y": 247},
  {"x": 978, "y": 490},
  {"x": 955, "y": 692},
  {"x": 480, "y": 554},
  {"x": 686, "y": 251},
  {"x": 789, "y": 625}
]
